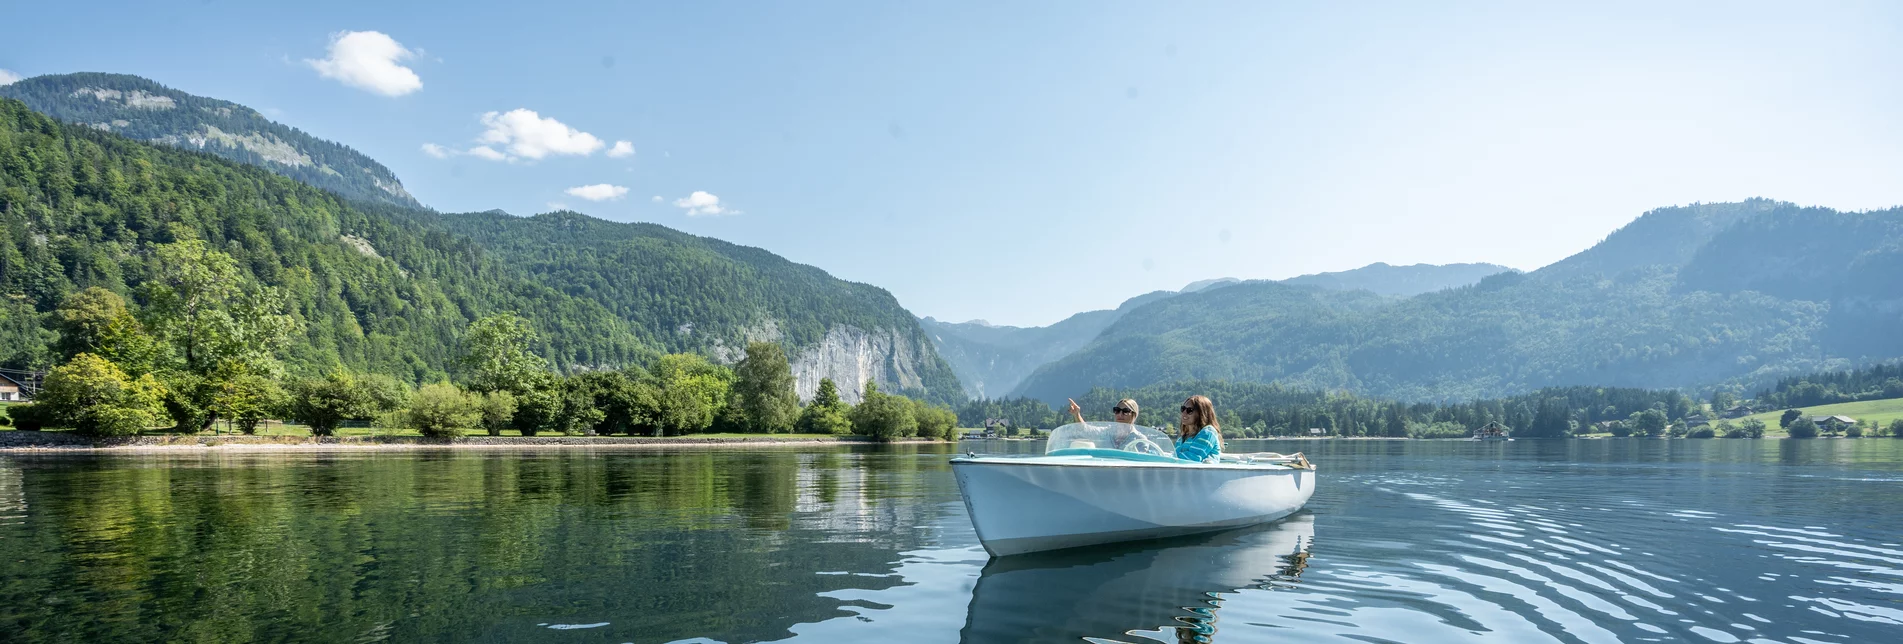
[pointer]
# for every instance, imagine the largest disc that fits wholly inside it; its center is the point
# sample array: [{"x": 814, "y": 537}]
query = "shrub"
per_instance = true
[
  {"x": 1896, "y": 428},
  {"x": 1620, "y": 429},
  {"x": 1752, "y": 428},
  {"x": 883, "y": 416},
  {"x": 1701, "y": 432},
  {"x": 934, "y": 421},
  {"x": 498, "y": 409},
  {"x": 324, "y": 403},
  {"x": 1802, "y": 428},
  {"x": 1853, "y": 431},
  {"x": 443, "y": 411},
  {"x": 30, "y": 417},
  {"x": 824, "y": 419},
  {"x": 95, "y": 397}
]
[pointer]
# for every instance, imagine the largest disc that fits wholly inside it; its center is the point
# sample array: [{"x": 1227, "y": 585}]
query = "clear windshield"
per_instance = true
[{"x": 1123, "y": 436}]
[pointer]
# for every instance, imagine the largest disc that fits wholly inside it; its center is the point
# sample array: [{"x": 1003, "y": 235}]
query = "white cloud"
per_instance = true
[
  {"x": 525, "y": 134},
  {"x": 621, "y": 149},
  {"x": 656, "y": 199},
  {"x": 368, "y": 60},
  {"x": 598, "y": 192},
  {"x": 703, "y": 204},
  {"x": 9, "y": 77},
  {"x": 437, "y": 151},
  {"x": 487, "y": 152}
]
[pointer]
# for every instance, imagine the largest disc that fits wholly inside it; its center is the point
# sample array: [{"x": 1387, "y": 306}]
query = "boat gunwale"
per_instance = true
[{"x": 1087, "y": 461}]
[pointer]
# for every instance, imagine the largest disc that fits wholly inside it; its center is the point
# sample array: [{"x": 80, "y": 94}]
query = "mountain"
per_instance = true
[
  {"x": 1400, "y": 281},
  {"x": 142, "y": 109},
  {"x": 680, "y": 292},
  {"x": 389, "y": 289},
  {"x": 992, "y": 360},
  {"x": 375, "y": 289},
  {"x": 1684, "y": 297}
]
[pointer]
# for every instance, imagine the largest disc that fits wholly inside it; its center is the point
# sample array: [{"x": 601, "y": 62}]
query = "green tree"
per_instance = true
[
  {"x": 92, "y": 395},
  {"x": 496, "y": 356},
  {"x": 827, "y": 414},
  {"x": 247, "y": 399},
  {"x": 1790, "y": 416},
  {"x": 324, "y": 403},
  {"x": 1650, "y": 422},
  {"x": 692, "y": 392},
  {"x": 763, "y": 396},
  {"x": 1896, "y": 428},
  {"x": 934, "y": 421},
  {"x": 1802, "y": 428},
  {"x": 213, "y": 314},
  {"x": 442, "y": 410},
  {"x": 1751, "y": 428},
  {"x": 96, "y": 321},
  {"x": 498, "y": 409},
  {"x": 883, "y": 416}
]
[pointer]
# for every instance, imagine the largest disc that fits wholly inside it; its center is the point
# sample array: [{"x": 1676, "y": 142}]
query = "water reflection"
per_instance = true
[{"x": 1164, "y": 591}]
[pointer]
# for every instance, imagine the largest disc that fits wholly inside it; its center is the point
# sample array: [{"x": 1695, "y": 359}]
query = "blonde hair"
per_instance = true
[
  {"x": 1128, "y": 403},
  {"x": 1203, "y": 414}
]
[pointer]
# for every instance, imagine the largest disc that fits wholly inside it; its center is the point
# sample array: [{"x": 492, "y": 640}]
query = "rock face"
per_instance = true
[{"x": 850, "y": 356}]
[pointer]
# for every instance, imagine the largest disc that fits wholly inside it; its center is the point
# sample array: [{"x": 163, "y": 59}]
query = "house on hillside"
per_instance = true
[
  {"x": 1821, "y": 420},
  {"x": 1738, "y": 411},
  {"x": 1696, "y": 420},
  {"x": 13, "y": 390}
]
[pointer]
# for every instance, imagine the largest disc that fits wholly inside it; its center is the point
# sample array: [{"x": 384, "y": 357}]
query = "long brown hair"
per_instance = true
[{"x": 1203, "y": 413}]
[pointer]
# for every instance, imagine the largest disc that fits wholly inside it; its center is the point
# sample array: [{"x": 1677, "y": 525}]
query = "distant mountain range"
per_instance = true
[
  {"x": 992, "y": 360},
  {"x": 139, "y": 108},
  {"x": 1687, "y": 297}
]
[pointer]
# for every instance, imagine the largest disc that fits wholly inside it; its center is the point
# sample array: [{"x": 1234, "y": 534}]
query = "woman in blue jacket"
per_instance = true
[{"x": 1199, "y": 436}]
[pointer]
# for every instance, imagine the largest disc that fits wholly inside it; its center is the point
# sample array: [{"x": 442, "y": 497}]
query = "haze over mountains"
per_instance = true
[
  {"x": 1686, "y": 297},
  {"x": 992, "y": 360}
]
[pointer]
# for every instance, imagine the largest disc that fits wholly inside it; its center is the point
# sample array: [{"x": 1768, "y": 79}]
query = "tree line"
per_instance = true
[{"x": 206, "y": 347}]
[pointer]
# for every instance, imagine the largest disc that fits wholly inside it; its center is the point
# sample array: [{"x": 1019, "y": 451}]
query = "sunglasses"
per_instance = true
[
  {"x": 1188, "y": 409},
  {"x": 1122, "y": 410}
]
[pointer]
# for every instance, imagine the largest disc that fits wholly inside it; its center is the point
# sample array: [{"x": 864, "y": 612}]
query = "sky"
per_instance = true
[{"x": 1021, "y": 162}]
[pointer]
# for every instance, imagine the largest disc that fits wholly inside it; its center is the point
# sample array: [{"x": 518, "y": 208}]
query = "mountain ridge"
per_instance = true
[{"x": 144, "y": 109}]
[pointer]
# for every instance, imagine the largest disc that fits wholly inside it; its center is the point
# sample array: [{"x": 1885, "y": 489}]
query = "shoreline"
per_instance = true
[{"x": 14, "y": 442}]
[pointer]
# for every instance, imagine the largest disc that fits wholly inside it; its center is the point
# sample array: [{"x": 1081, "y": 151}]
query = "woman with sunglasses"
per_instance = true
[
  {"x": 1198, "y": 436},
  {"x": 1125, "y": 411}
]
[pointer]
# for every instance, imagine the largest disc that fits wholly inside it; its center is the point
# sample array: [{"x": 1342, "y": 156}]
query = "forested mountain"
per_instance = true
[
  {"x": 374, "y": 290},
  {"x": 1682, "y": 297},
  {"x": 389, "y": 289},
  {"x": 680, "y": 292},
  {"x": 142, "y": 109},
  {"x": 992, "y": 360},
  {"x": 1401, "y": 281}
]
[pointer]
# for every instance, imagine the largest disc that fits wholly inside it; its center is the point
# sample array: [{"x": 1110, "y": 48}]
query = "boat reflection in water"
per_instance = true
[{"x": 1164, "y": 590}]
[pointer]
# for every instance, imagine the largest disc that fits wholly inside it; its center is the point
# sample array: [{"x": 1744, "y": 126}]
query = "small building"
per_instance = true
[
  {"x": 1822, "y": 420},
  {"x": 1494, "y": 429},
  {"x": 13, "y": 390},
  {"x": 1737, "y": 411},
  {"x": 1697, "y": 420}
]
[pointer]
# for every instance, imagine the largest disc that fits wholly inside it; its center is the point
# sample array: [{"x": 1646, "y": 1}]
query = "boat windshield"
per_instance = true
[{"x": 1118, "y": 436}]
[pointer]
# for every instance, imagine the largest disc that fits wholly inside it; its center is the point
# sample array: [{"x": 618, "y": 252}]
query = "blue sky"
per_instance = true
[{"x": 1022, "y": 163}]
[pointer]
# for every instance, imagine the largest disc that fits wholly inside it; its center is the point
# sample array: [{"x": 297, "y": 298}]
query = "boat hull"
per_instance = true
[{"x": 1021, "y": 505}]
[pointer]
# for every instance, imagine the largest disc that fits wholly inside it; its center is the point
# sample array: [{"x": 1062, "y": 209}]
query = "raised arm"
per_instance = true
[{"x": 1075, "y": 411}]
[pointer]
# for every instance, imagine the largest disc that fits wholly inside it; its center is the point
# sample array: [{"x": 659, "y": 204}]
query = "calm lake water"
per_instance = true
[{"x": 1571, "y": 541}]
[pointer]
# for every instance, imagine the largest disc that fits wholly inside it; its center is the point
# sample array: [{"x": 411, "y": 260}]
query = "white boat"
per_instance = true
[
  {"x": 1136, "y": 589},
  {"x": 1108, "y": 482}
]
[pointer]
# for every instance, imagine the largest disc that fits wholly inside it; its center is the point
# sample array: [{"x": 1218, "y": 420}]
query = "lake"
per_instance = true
[{"x": 1421, "y": 541}]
